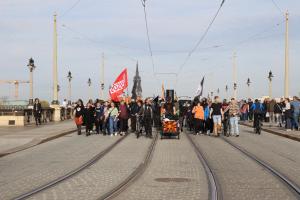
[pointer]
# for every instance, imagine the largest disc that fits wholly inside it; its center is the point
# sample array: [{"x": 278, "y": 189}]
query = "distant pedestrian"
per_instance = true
[
  {"x": 89, "y": 117},
  {"x": 288, "y": 114},
  {"x": 295, "y": 106},
  {"x": 37, "y": 111},
  {"x": 148, "y": 117},
  {"x": 99, "y": 117},
  {"x": 123, "y": 117},
  {"x": 133, "y": 118},
  {"x": 78, "y": 113},
  {"x": 113, "y": 113},
  {"x": 198, "y": 112},
  {"x": 216, "y": 114},
  {"x": 234, "y": 117}
]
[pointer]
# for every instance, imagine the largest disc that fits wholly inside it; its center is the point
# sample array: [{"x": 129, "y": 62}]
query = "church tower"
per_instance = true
[{"x": 137, "y": 87}]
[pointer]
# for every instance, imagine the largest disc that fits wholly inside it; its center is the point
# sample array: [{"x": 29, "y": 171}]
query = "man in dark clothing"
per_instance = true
[
  {"x": 37, "y": 111},
  {"x": 133, "y": 111},
  {"x": 148, "y": 118},
  {"x": 250, "y": 103},
  {"x": 89, "y": 117}
]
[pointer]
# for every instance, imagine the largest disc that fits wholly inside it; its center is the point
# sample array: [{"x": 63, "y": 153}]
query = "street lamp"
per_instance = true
[
  {"x": 270, "y": 77},
  {"x": 89, "y": 84},
  {"x": 70, "y": 86},
  {"x": 248, "y": 84},
  {"x": 235, "y": 90},
  {"x": 31, "y": 67}
]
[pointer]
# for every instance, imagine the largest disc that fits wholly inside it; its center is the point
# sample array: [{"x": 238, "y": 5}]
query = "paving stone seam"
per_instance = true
[
  {"x": 289, "y": 183},
  {"x": 134, "y": 175},
  {"x": 72, "y": 173}
]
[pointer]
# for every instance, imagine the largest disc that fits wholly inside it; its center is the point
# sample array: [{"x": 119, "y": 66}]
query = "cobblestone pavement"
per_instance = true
[
  {"x": 282, "y": 153},
  {"x": 239, "y": 176},
  {"x": 104, "y": 175},
  {"x": 25, "y": 170},
  {"x": 174, "y": 173},
  {"x": 13, "y": 139}
]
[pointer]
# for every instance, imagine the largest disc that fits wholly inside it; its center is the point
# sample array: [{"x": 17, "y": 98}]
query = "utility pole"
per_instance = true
[
  {"x": 55, "y": 81},
  {"x": 234, "y": 76},
  {"x": 270, "y": 84},
  {"x": 286, "y": 71},
  {"x": 102, "y": 78}
]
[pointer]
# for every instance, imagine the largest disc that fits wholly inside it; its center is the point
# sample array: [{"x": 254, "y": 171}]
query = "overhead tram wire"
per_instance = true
[
  {"x": 148, "y": 36},
  {"x": 71, "y": 8},
  {"x": 202, "y": 37},
  {"x": 277, "y": 7}
]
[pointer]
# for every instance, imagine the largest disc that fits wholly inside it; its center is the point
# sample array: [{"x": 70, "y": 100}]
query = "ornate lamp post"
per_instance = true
[
  {"x": 248, "y": 84},
  {"x": 31, "y": 67},
  {"x": 70, "y": 86},
  {"x": 89, "y": 84},
  {"x": 270, "y": 77}
]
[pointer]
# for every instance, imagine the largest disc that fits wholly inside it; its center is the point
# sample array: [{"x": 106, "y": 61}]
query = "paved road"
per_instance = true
[
  {"x": 23, "y": 171},
  {"x": 104, "y": 175},
  {"x": 174, "y": 173},
  {"x": 282, "y": 153},
  {"x": 240, "y": 177}
]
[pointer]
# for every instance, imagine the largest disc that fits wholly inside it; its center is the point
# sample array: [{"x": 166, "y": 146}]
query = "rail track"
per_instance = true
[
  {"x": 70, "y": 174},
  {"x": 289, "y": 183},
  {"x": 134, "y": 175},
  {"x": 215, "y": 192}
]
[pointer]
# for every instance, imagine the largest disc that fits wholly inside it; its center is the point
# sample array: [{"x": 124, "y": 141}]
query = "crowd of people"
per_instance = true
[
  {"x": 111, "y": 118},
  {"x": 202, "y": 116}
]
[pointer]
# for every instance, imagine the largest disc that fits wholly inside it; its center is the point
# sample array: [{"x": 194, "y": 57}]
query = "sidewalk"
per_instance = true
[
  {"x": 14, "y": 139},
  {"x": 294, "y": 135}
]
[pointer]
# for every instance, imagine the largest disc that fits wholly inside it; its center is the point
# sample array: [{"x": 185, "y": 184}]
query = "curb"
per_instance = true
[
  {"x": 34, "y": 143},
  {"x": 276, "y": 133}
]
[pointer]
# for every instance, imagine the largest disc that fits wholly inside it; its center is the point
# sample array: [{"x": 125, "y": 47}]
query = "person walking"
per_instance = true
[
  {"x": 133, "y": 111},
  {"x": 148, "y": 117},
  {"x": 271, "y": 110},
  {"x": 216, "y": 114},
  {"x": 89, "y": 117},
  {"x": 123, "y": 117},
  {"x": 113, "y": 119},
  {"x": 234, "y": 117},
  {"x": 295, "y": 106},
  {"x": 78, "y": 115},
  {"x": 258, "y": 111},
  {"x": 139, "y": 116},
  {"x": 99, "y": 117},
  {"x": 37, "y": 111},
  {"x": 198, "y": 118},
  {"x": 288, "y": 114},
  {"x": 244, "y": 111},
  {"x": 278, "y": 113},
  {"x": 105, "y": 126}
]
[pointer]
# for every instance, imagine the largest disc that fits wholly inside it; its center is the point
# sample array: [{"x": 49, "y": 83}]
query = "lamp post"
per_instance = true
[
  {"x": 248, "y": 84},
  {"x": 31, "y": 67},
  {"x": 226, "y": 89},
  {"x": 70, "y": 86},
  {"x": 89, "y": 84},
  {"x": 235, "y": 89},
  {"x": 270, "y": 83}
]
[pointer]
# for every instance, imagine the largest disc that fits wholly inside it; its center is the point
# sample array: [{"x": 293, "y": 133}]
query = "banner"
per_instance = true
[
  {"x": 199, "y": 91},
  {"x": 118, "y": 87}
]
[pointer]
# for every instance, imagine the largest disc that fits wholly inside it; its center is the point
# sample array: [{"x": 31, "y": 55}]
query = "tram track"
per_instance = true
[
  {"x": 215, "y": 192},
  {"x": 292, "y": 186},
  {"x": 134, "y": 175},
  {"x": 70, "y": 174}
]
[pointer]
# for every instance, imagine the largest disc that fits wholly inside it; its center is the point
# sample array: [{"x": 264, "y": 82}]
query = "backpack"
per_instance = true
[{"x": 257, "y": 108}]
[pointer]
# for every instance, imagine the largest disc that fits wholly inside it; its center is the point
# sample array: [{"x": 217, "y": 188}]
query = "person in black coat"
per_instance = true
[
  {"x": 148, "y": 117},
  {"x": 79, "y": 113},
  {"x": 89, "y": 117},
  {"x": 133, "y": 112},
  {"x": 37, "y": 111}
]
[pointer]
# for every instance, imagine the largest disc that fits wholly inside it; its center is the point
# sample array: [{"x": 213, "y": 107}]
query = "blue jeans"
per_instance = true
[
  {"x": 296, "y": 118},
  {"x": 112, "y": 125},
  {"x": 234, "y": 125},
  {"x": 217, "y": 119}
]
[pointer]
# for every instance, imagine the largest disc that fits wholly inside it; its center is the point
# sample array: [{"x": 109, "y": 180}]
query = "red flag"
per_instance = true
[{"x": 120, "y": 84}]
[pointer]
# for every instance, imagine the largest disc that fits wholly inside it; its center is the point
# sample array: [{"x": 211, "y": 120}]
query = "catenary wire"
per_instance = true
[{"x": 201, "y": 38}]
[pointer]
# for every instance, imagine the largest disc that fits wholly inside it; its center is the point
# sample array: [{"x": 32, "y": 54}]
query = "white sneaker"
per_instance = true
[
  {"x": 115, "y": 134},
  {"x": 111, "y": 135}
]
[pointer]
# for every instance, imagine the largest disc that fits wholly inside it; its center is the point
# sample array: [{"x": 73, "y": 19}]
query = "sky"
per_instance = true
[{"x": 254, "y": 29}]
